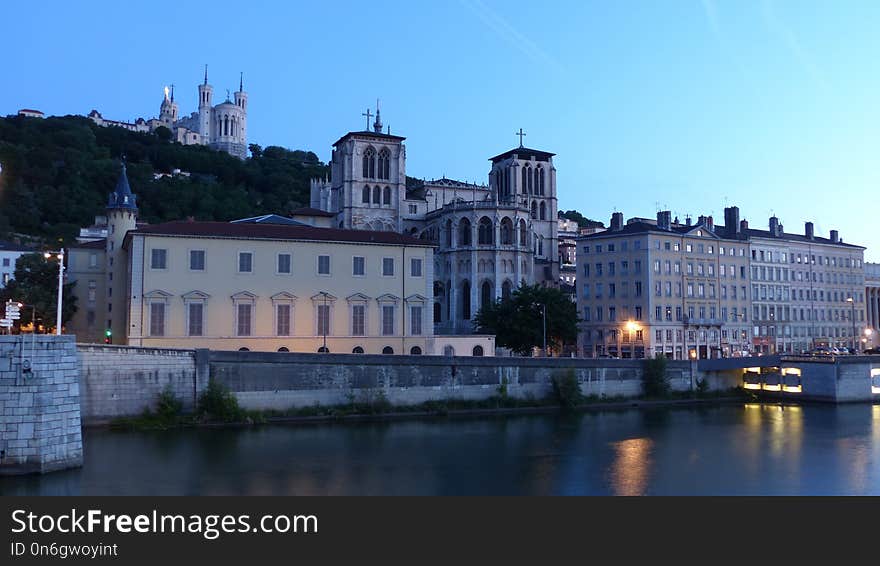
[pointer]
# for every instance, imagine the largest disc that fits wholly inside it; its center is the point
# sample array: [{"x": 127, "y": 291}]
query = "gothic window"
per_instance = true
[
  {"x": 534, "y": 209},
  {"x": 529, "y": 179},
  {"x": 377, "y": 195},
  {"x": 526, "y": 179},
  {"x": 506, "y": 231},
  {"x": 523, "y": 233},
  {"x": 369, "y": 164},
  {"x": 539, "y": 180},
  {"x": 449, "y": 233},
  {"x": 365, "y": 195},
  {"x": 543, "y": 215},
  {"x": 384, "y": 164},
  {"x": 466, "y": 300},
  {"x": 485, "y": 294},
  {"x": 505, "y": 290},
  {"x": 386, "y": 196},
  {"x": 484, "y": 231},
  {"x": 464, "y": 232},
  {"x": 540, "y": 246},
  {"x": 507, "y": 182}
]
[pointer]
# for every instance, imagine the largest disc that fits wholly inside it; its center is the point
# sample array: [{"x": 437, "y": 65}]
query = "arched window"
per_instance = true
[
  {"x": 365, "y": 195},
  {"x": 377, "y": 195},
  {"x": 534, "y": 209},
  {"x": 386, "y": 196},
  {"x": 415, "y": 351},
  {"x": 464, "y": 232},
  {"x": 505, "y": 290},
  {"x": 523, "y": 234},
  {"x": 478, "y": 351},
  {"x": 283, "y": 349},
  {"x": 448, "y": 350},
  {"x": 449, "y": 233},
  {"x": 369, "y": 163},
  {"x": 384, "y": 164},
  {"x": 540, "y": 246},
  {"x": 539, "y": 180},
  {"x": 357, "y": 350},
  {"x": 506, "y": 231},
  {"x": 543, "y": 215},
  {"x": 485, "y": 231},
  {"x": 466, "y": 300},
  {"x": 485, "y": 294},
  {"x": 387, "y": 350},
  {"x": 243, "y": 349},
  {"x": 323, "y": 350},
  {"x": 526, "y": 179}
]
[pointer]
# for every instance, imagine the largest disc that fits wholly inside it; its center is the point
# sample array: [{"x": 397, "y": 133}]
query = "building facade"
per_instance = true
[
  {"x": 872, "y": 296},
  {"x": 701, "y": 290},
  {"x": 490, "y": 238},
  {"x": 9, "y": 254},
  {"x": 222, "y": 127}
]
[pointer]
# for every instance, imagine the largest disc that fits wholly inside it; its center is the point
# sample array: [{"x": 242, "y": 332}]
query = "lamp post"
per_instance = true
[
  {"x": 852, "y": 318},
  {"x": 60, "y": 255},
  {"x": 868, "y": 333},
  {"x": 325, "y": 323},
  {"x": 631, "y": 327},
  {"x": 544, "y": 323}
]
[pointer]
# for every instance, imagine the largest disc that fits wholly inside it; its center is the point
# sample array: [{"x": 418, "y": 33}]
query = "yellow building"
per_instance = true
[{"x": 281, "y": 287}]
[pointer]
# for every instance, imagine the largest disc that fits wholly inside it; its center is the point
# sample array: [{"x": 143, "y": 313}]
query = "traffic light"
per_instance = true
[{"x": 108, "y": 335}]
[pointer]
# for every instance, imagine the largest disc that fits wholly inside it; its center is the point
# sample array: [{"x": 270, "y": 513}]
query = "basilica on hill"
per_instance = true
[{"x": 490, "y": 238}]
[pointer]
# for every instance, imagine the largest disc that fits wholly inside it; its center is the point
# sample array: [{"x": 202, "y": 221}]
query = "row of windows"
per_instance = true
[
  {"x": 476, "y": 351},
  {"x": 283, "y": 263},
  {"x": 665, "y": 288},
  {"x": 380, "y": 196},
  {"x": 665, "y": 245},
  {"x": 486, "y": 232},
  {"x": 803, "y": 331},
  {"x": 244, "y": 313},
  {"x": 785, "y": 313},
  {"x": 693, "y": 336},
  {"x": 532, "y": 181}
]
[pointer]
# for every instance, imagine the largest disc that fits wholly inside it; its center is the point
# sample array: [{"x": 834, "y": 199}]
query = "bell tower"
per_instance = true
[{"x": 121, "y": 217}]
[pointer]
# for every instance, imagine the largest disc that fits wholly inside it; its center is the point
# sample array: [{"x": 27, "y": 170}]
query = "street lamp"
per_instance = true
[
  {"x": 867, "y": 338},
  {"x": 852, "y": 318},
  {"x": 544, "y": 324},
  {"x": 631, "y": 327},
  {"x": 326, "y": 322},
  {"x": 60, "y": 255}
]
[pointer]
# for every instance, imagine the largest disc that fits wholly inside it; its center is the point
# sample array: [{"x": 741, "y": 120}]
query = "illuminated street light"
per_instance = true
[{"x": 60, "y": 255}]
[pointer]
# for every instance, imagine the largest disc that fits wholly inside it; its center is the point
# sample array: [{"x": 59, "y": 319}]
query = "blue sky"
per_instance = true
[{"x": 690, "y": 105}]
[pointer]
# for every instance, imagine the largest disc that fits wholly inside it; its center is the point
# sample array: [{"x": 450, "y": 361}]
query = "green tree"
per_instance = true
[
  {"x": 583, "y": 221},
  {"x": 35, "y": 282},
  {"x": 518, "y": 321},
  {"x": 163, "y": 133}
]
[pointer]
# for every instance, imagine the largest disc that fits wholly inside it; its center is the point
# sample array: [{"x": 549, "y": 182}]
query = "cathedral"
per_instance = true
[
  {"x": 490, "y": 238},
  {"x": 222, "y": 127}
]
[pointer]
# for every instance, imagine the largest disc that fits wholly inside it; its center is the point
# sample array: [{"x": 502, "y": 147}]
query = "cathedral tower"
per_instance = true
[{"x": 206, "y": 95}]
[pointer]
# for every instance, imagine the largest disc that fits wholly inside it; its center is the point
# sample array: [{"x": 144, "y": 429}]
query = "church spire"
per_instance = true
[
  {"x": 377, "y": 125},
  {"x": 206, "y": 73},
  {"x": 172, "y": 92},
  {"x": 241, "y": 81}
]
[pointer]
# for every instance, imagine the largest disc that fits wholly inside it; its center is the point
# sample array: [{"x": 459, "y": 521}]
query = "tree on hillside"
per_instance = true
[
  {"x": 163, "y": 133},
  {"x": 518, "y": 322},
  {"x": 35, "y": 282},
  {"x": 583, "y": 221}
]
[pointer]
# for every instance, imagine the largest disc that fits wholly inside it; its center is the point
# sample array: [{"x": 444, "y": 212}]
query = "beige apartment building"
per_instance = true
[{"x": 659, "y": 287}]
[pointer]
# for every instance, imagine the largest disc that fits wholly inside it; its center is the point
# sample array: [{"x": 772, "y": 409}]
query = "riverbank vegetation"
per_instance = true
[{"x": 218, "y": 405}]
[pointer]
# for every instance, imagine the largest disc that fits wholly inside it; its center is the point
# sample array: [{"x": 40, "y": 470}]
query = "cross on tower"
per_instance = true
[
  {"x": 520, "y": 133},
  {"x": 368, "y": 115}
]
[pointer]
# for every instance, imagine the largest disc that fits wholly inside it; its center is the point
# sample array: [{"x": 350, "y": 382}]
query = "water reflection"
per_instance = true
[
  {"x": 632, "y": 466},
  {"x": 733, "y": 449}
]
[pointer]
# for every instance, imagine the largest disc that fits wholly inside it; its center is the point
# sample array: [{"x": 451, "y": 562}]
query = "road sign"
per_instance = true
[{"x": 6, "y": 323}]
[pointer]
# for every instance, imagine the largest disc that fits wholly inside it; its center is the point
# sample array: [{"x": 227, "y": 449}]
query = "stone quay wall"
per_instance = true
[
  {"x": 121, "y": 381},
  {"x": 270, "y": 380},
  {"x": 40, "y": 429}
]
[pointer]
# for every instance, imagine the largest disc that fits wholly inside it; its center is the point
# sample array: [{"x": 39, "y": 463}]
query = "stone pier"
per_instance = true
[{"x": 39, "y": 404}]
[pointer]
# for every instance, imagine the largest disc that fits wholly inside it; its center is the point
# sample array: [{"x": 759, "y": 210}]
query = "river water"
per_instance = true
[{"x": 720, "y": 450}]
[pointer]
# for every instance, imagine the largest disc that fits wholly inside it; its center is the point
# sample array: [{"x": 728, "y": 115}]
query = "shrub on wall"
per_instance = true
[
  {"x": 567, "y": 390},
  {"x": 655, "y": 382},
  {"x": 218, "y": 403}
]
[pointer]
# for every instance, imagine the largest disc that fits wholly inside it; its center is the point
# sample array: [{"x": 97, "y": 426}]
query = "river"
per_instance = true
[{"x": 746, "y": 449}]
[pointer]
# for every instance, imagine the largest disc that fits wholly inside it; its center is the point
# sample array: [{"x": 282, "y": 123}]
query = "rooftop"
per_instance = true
[
  {"x": 523, "y": 153},
  {"x": 368, "y": 134},
  {"x": 306, "y": 211},
  {"x": 268, "y": 231}
]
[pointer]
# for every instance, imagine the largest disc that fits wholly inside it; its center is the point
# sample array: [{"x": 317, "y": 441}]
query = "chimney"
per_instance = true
[
  {"x": 664, "y": 219},
  {"x": 701, "y": 219},
  {"x": 743, "y": 225},
  {"x": 687, "y": 221},
  {"x": 774, "y": 226},
  {"x": 731, "y": 220},
  {"x": 835, "y": 236},
  {"x": 617, "y": 221},
  {"x": 808, "y": 230},
  {"x": 710, "y": 223}
]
